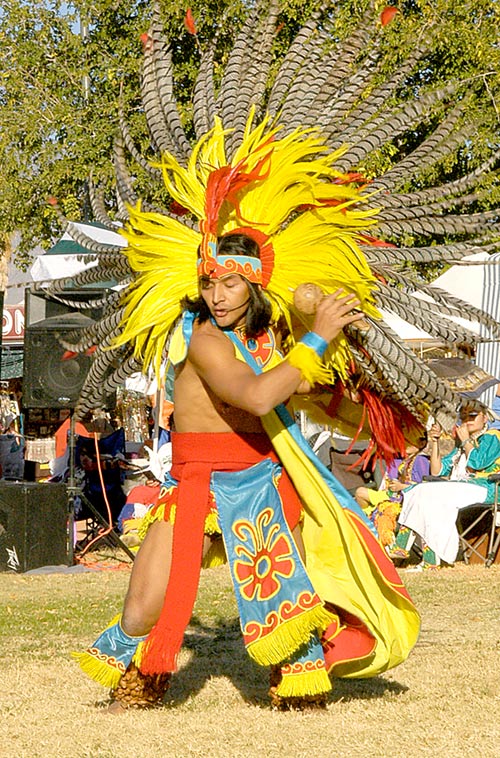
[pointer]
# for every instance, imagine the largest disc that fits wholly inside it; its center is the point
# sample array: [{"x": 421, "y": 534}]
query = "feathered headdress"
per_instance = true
[
  {"x": 283, "y": 192},
  {"x": 283, "y": 160}
]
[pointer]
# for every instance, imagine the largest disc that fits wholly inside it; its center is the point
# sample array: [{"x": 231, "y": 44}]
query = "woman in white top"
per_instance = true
[{"x": 430, "y": 509}]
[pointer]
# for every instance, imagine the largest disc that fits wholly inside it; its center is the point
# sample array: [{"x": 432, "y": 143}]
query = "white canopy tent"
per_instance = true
[
  {"x": 405, "y": 330},
  {"x": 477, "y": 283},
  {"x": 68, "y": 258}
]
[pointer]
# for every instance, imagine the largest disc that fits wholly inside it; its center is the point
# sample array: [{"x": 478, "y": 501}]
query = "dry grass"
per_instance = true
[{"x": 444, "y": 701}]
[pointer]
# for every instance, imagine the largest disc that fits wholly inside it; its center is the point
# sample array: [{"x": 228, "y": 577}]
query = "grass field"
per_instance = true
[{"x": 443, "y": 701}]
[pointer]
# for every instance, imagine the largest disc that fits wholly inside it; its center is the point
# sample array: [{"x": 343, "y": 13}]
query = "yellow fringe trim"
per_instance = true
[
  {"x": 137, "y": 657},
  {"x": 310, "y": 365},
  {"x": 216, "y": 555},
  {"x": 280, "y": 644},
  {"x": 212, "y": 524},
  {"x": 99, "y": 671},
  {"x": 149, "y": 519},
  {"x": 306, "y": 683}
]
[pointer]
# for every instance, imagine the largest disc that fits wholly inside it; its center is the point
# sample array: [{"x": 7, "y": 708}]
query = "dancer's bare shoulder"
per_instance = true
[
  {"x": 212, "y": 353},
  {"x": 207, "y": 337},
  {"x": 198, "y": 408}
]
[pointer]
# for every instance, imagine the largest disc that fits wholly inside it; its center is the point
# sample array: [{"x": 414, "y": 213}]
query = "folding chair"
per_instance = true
[
  {"x": 90, "y": 496},
  {"x": 479, "y": 529},
  {"x": 343, "y": 466}
]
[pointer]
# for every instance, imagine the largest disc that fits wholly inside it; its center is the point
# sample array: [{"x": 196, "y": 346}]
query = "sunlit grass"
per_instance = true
[{"x": 441, "y": 701}]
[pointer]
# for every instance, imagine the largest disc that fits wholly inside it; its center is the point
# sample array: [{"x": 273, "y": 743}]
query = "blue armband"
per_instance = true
[{"x": 315, "y": 342}]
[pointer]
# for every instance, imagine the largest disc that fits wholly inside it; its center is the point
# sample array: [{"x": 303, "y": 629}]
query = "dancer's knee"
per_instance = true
[
  {"x": 140, "y": 614},
  {"x": 148, "y": 583}
]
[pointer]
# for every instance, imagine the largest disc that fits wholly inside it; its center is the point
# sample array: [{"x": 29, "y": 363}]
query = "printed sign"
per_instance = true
[{"x": 13, "y": 324}]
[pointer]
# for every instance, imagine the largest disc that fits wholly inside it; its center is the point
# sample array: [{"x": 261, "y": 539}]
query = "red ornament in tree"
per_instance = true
[
  {"x": 388, "y": 14},
  {"x": 189, "y": 22}
]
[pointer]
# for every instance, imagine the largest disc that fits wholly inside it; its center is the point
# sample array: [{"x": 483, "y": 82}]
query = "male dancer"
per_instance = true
[{"x": 220, "y": 451}]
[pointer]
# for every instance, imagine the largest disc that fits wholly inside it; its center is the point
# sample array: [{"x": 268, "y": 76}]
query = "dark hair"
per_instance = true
[
  {"x": 237, "y": 244},
  {"x": 258, "y": 315},
  {"x": 471, "y": 410}
]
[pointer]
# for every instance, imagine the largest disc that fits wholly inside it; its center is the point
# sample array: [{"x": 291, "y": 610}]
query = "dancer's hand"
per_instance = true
[{"x": 335, "y": 312}]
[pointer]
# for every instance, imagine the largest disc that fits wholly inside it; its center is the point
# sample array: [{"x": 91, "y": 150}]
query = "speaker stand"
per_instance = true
[{"x": 75, "y": 491}]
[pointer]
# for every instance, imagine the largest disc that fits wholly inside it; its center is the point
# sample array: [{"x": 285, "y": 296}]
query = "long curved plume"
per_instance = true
[{"x": 396, "y": 133}]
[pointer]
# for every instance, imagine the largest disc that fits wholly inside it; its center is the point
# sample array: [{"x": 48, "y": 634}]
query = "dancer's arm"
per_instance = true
[
  {"x": 435, "y": 457},
  {"x": 235, "y": 383}
]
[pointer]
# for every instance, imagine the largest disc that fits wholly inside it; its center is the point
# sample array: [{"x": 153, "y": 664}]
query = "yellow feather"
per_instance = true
[{"x": 310, "y": 243}]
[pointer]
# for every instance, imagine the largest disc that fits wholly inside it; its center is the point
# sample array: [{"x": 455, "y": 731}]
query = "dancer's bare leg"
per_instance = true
[
  {"x": 148, "y": 584},
  {"x": 149, "y": 579},
  {"x": 147, "y": 587}
]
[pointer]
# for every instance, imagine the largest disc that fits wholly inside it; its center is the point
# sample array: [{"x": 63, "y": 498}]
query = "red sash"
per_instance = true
[{"x": 194, "y": 456}]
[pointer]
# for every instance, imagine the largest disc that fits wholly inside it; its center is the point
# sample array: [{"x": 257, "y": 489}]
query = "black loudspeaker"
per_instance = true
[
  {"x": 49, "y": 381},
  {"x": 39, "y": 306},
  {"x": 33, "y": 525}
]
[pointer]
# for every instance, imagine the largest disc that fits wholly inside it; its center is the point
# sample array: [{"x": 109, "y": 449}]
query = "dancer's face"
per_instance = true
[{"x": 227, "y": 299}]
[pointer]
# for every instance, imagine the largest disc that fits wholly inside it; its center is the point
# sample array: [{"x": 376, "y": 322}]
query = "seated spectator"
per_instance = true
[
  {"x": 430, "y": 509},
  {"x": 383, "y": 506},
  {"x": 89, "y": 470},
  {"x": 139, "y": 499}
]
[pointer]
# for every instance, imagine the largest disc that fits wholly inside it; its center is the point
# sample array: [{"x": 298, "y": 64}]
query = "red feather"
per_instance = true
[
  {"x": 178, "y": 209},
  {"x": 388, "y": 14},
  {"x": 68, "y": 355},
  {"x": 189, "y": 22},
  {"x": 367, "y": 239},
  {"x": 387, "y": 421},
  {"x": 145, "y": 39},
  {"x": 351, "y": 177},
  {"x": 225, "y": 182}
]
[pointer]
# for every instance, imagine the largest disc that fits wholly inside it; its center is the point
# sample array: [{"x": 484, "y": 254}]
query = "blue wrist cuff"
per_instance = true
[{"x": 314, "y": 341}]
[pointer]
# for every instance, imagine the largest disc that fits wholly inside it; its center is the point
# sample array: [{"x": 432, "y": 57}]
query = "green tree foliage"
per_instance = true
[
  {"x": 63, "y": 68},
  {"x": 58, "y": 110}
]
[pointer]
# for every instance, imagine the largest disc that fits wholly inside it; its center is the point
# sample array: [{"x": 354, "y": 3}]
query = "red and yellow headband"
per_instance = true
[{"x": 215, "y": 266}]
